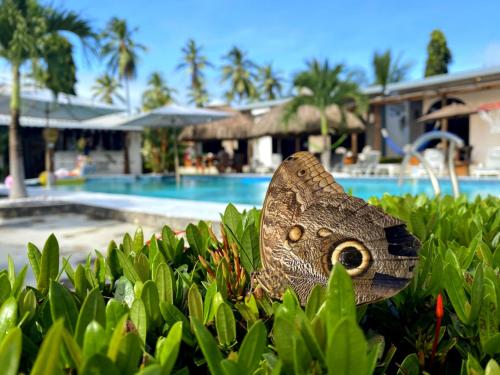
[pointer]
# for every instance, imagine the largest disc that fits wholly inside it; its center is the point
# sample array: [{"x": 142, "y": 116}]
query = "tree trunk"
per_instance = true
[
  {"x": 354, "y": 146},
  {"x": 377, "y": 128},
  {"x": 16, "y": 161},
  {"x": 326, "y": 153},
  {"x": 127, "y": 93},
  {"x": 126, "y": 158}
]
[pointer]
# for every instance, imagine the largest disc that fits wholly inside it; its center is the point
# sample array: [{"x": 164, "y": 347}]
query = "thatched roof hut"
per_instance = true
[
  {"x": 237, "y": 126},
  {"x": 307, "y": 120}
]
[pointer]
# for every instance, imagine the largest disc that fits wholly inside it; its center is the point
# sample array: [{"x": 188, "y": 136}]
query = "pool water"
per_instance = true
[{"x": 252, "y": 189}]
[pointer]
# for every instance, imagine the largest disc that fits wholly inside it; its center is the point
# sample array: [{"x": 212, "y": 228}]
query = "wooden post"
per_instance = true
[
  {"x": 377, "y": 127},
  {"x": 354, "y": 146},
  {"x": 126, "y": 159},
  {"x": 176, "y": 158},
  {"x": 297, "y": 143},
  {"x": 444, "y": 123}
]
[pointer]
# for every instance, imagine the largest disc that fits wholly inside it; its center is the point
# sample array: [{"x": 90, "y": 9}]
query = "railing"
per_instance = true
[{"x": 454, "y": 142}]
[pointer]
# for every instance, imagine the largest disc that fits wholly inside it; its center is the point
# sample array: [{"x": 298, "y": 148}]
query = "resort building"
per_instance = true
[{"x": 81, "y": 127}]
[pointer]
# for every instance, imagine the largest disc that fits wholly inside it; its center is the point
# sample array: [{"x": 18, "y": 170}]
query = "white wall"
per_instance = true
[{"x": 262, "y": 150}]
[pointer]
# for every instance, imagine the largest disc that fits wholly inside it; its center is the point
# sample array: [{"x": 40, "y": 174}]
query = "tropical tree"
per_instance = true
[
  {"x": 26, "y": 28},
  {"x": 321, "y": 86},
  {"x": 240, "y": 73},
  {"x": 438, "y": 54},
  {"x": 387, "y": 69},
  {"x": 121, "y": 51},
  {"x": 156, "y": 146},
  {"x": 107, "y": 89},
  {"x": 270, "y": 82},
  {"x": 195, "y": 62}
]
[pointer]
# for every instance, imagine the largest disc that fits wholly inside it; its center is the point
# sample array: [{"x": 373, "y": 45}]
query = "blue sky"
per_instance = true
[{"x": 287, "y": 33}]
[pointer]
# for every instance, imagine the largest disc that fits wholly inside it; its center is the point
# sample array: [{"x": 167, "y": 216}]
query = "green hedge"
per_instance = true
[{"x": 169, "y": 306}]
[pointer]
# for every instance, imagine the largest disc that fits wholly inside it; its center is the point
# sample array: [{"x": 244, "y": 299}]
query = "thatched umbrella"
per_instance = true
[
  {"x": 307, "y": 120},
  {"x": 450, "y": 111},
  {"x": 238, "y": 126}
]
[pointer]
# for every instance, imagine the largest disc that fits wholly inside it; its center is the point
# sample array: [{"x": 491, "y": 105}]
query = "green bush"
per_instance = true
[{"x": 166, "y": 306}]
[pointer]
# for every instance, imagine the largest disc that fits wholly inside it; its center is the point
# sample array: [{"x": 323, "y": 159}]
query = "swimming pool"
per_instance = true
[{"x": 252, "y": 189}]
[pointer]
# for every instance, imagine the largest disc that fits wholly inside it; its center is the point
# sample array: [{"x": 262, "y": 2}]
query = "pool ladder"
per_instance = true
[{"x": 413, "y": 151}]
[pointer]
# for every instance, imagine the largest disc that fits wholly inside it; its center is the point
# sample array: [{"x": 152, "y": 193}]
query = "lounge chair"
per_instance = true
[
  {"x": 367, "y": 163},
  {"x": 491, "y": 165}
]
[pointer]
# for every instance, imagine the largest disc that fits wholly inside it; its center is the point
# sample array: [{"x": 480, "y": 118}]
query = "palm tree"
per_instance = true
[
  {"x": 271, "y": 82},
  {"x": 321, "y": 86},
  {"x": 195, "y": 63},
  {"x": 106, "y": 89},
  {"x": 121, "y": 51},
  {"x": 158, "y": 93},
  {"x": 156, "y": 148},
  {"x": 386, "y": 70},
  {"x": 24, "y": 26},
  {"x": 240, "y": 74}
]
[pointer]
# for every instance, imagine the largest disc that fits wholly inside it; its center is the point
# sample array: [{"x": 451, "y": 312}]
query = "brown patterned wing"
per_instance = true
[{"x": 309, "y": 223}]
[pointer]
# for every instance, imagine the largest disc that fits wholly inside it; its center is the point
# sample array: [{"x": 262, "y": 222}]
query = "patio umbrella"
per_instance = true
[
  {"x": 238, "y": 126},
  {"x": 450, "y": 111},
  {"x": 174, "y": 116},
  {"x": 307, "y": 120}
]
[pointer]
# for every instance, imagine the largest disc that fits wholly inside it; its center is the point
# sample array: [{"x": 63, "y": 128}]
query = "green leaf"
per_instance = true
[
  {"x": 340, "y": 302},
  {"x": 124, "y": 291},
  {"x": 10, "y": 352},
  {"x": 48, "y": 358},
  {"x": 409, "y": 366},
  {"x": 476, "y": 294},
  {"x": 19, "y": 282},
  {"x": 8, "y": 316},
  {"x": 138, "y": 316},
  {"x": 4, "y": 287},
  {"x": 250, "y": 253},
  {"x": 314, "y": 301},
  {"x": 94, "y": 339},
  {"x": 129, "y": 354},
  {"x": 113, "y": 261},
  {"x": 127, "y": 244},
  {"x": 225, "y": 325},
  {"x": 347, "y": 349},
  {"x": 208, "y": 347},
  {"x": 27, "y": 305},
  {"x": 195, "y": 303},
  {"x": 49, "y": 264},
  {"x": 141, "y": 265},
  {"x": 35, "y": 257},
  {"x": 169, "y": 242},
  {"x": 72, "y": 348},
  {"x": 81, "y": 284},
  {"x": 172, "y": 314},
  {"x": 167, "y": 348},
  {"x": 197, "y": 243},
  {"x": 128, "y": 267},
  {"x": 492, "y": 368},
  {"x": 151, "y": 301},
  {"x": 99, "y": 364},
  {"x": 208, "y": 310},
  {"x": 114, "y": 311},
  {"x": 92, "y": 309},
  {"x": 232, "y": 220},
  {"x": 252, "y": 348},
  {"x": 164, "y": 280},
  {"x": 138, "y": 241},
  {"x": 454, "y": 284},
  {"x": 62, "y": 305},
  {"x": 116, "y": 338}
]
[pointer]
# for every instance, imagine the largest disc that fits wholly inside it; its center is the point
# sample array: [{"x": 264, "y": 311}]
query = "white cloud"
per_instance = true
[{"x": 492, "y": 54}]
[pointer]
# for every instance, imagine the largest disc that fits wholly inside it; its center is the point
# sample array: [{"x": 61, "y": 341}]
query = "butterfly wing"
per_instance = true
[{"x": 307, "y": 217}]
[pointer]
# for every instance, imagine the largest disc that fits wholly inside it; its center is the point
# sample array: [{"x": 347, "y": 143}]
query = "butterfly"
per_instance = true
[{"x": 309, "y": 224}]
